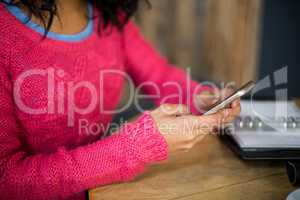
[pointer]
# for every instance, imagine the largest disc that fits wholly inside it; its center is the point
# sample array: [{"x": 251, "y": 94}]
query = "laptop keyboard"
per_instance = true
[{"x": 250, "y": 123}]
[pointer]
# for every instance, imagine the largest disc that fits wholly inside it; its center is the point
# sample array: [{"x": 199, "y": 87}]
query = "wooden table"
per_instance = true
[{"x": 209, "y": 172}]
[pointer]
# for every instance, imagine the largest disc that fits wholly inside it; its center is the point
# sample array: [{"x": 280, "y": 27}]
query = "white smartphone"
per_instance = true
[{"x": 236, "y": 95}]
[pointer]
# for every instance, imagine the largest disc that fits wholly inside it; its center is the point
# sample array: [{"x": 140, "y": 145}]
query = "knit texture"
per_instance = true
[{"x": 41, "y": 156}]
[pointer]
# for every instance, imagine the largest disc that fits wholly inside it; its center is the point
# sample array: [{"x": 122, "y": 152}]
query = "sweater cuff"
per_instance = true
[{"x": 149, "y": 146}]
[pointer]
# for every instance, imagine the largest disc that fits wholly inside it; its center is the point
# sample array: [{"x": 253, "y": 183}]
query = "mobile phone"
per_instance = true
[{"x": 245, "y": 89}]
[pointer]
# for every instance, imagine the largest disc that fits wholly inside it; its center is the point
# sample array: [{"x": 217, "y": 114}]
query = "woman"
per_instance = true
[{"x": 53, "y": 57}]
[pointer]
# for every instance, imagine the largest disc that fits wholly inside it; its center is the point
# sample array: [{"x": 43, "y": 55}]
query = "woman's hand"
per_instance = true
[
  {"x": 183, "y": 130},
  {"x": 206, "y": 99}
]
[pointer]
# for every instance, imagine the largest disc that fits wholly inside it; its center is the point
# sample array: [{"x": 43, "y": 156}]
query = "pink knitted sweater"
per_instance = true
[{"x": 42, "y": 154}]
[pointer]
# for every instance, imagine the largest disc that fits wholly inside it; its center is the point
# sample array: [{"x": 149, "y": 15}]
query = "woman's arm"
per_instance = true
[
  {"x": 67, "y": 172},
  {"x": 144, "y": 64}
]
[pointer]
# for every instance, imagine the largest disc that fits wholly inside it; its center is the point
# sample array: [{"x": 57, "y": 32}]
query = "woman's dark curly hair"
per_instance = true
[{"x": 110, "y": 10}]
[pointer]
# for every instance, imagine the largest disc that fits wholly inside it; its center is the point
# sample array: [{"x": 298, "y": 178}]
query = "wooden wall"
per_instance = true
[
  {"x": 218, "y": 39},
  {"x": 232, "y": 38}
]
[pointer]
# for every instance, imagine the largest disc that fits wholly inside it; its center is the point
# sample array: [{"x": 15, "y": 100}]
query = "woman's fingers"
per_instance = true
[
  {"x": 235, "y": 110},
  {"x": 206, "y": 99},
  {"x": 210, "y": 122},
  {"x": 204, "y": 123},
  {"x": 173, "y": 109},
  {"x": 230, "y": 114},
  {"x": 236, "y": 103},
  {"x": 228, "y": 91},
  {"x": 183, "y": 130}
]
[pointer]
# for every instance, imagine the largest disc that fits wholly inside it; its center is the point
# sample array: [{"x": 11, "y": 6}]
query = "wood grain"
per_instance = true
[
  {"x": 219, "y": 40},
  {"x": 209, "y": 171},
  {"x": 232, "y": 38}
]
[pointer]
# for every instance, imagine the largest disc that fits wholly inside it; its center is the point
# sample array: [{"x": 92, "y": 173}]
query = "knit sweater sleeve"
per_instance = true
[
  {"x": 163, "y": 81},
  {"x": 65, "y": 172}
]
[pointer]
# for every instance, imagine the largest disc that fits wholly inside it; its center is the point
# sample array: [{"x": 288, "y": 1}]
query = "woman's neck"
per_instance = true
[{"x": 71, "y": 17}]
